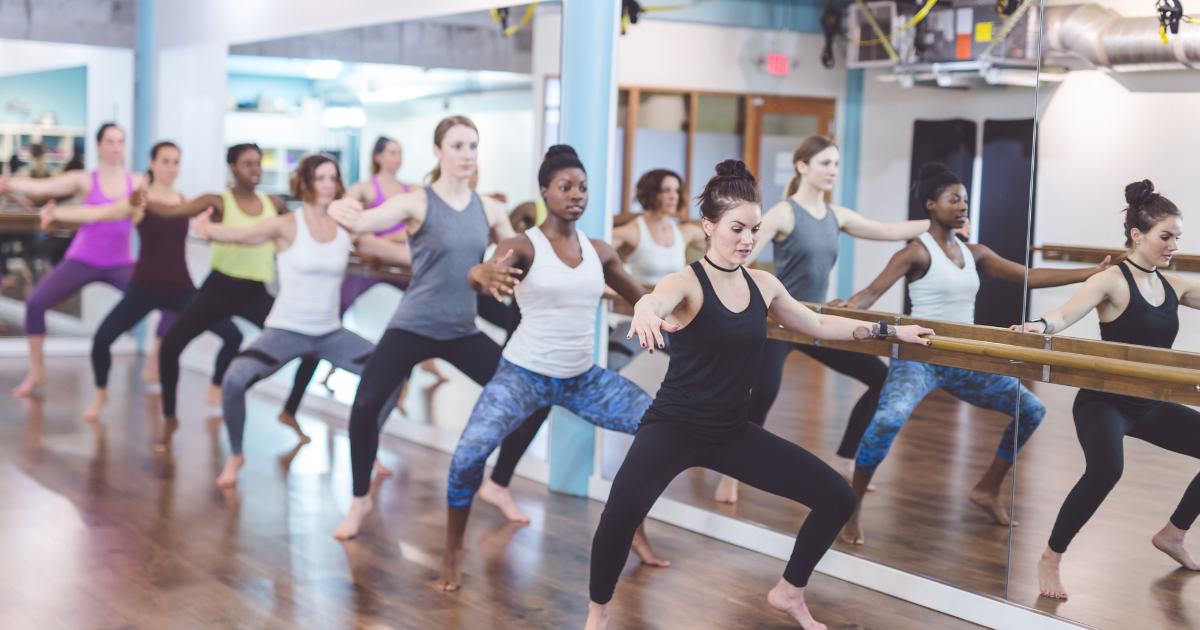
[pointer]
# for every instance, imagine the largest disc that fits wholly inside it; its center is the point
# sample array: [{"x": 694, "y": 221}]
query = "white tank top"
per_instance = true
[
  {"x": 556, "y": 336},
  {"x": 310, "y": 282},
  {"x": 652, "y": 262},
  {"x": 945, "y": 293}
]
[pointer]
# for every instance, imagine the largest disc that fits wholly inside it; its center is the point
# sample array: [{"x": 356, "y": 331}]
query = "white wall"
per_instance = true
[
  {"x": 889, "y": 112},
  {"x": 508, "y": 157}
]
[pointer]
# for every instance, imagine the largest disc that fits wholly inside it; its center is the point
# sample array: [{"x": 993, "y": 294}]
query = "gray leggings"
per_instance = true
[{"x": 274, "y": 349}]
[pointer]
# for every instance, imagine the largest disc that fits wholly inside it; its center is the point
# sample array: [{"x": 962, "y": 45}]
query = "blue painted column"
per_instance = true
[
  {"x": 143, "y": 122},
  {"x": 590, "y": 29},
  {"x": 851, "y": 145}
]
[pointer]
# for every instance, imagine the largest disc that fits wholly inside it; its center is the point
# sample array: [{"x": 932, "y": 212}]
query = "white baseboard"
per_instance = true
[
  {"x": 17, "y": 347},
  {"x": 56, "y": 323}
]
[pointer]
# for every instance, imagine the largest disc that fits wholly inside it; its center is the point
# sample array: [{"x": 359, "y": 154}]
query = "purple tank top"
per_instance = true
[
  {"x": 103, "y": 245},
  {"x": 379, "y": 199}
]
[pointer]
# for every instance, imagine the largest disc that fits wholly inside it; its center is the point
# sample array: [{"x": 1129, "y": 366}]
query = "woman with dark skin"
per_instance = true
[
  {"x": 942, "y": 285},
  {"x": 236, "y": 285},
  {"x": 550, "y": 358}
]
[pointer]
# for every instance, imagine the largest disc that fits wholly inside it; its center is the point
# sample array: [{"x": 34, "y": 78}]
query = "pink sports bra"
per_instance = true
[
  {"x": 103, "y": 245},
  {"x": 379, "y": 199}
]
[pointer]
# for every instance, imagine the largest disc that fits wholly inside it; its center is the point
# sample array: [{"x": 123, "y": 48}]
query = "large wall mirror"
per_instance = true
[
  {"x": 938, "y": 506},
  {"x": 1108, "y": 479}
]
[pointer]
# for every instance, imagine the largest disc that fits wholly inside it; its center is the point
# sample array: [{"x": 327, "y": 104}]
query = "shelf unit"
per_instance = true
[{"x": 59, "y": 141}]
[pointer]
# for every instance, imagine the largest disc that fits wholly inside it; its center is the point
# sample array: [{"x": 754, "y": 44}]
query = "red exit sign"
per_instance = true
[{"x": 777, "y": 64}]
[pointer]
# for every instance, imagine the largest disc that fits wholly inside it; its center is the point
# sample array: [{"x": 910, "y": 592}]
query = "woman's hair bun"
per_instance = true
[
  {"x": 560, "y": 149},
  {"x": 932, "y": 169},
  {"x": 735, "y": 168},
  {"x": 1139, "y": 193}
]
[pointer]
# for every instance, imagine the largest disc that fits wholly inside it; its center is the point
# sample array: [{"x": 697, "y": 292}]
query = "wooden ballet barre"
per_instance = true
[{"x": 1093, "y": 255}]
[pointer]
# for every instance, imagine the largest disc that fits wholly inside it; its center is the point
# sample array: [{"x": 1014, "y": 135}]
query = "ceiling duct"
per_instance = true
[{"x": 1105, "y": 39}]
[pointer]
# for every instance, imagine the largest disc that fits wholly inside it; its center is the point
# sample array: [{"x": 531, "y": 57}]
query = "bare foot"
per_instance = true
[
  {"x": 381, "y": 470},
  {"x": 451, "y": 578},
  {"x": 845, "y": 466},
  {"x": 150, "y": 372},
  {"x": 1049, "y": 581},
  {"x": 348, "y": 528},
  {"x": 170, "y": 426},
  {"x": 1170, "y": 541},
  {"x": 790, "y": 600},
  {"x": 641, "y": 548},
  {"x": 290, "y": 420},
  {"x": 726, "y": 490},
  {"x": 228, "y": 478},
  {"x": 597, "y": 616},
  {"x": 93, "y": 412},
  {"x": 212, "y": 397},
  {"x": 34, "y": 380},
  {"x": 495, "y": 494},
  {"x": 852, "y": 533},
  {"x": 993, "y": 505},
  {"x": 429, "y": 365}
]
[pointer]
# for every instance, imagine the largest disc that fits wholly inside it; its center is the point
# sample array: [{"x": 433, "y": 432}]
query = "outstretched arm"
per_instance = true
[
  {"x": 784, "y": 309},
  {"x": 262, "y": 232},
  {"x": 650, "y": 312},
  {"x": 87, "y": 214},
  {"x": 901, "y": 264},
  {"x": 995, "y": 266},
  {"x": 1095, "y": 290},
  {"x": 349, "y": 212},
  {"x": 383, "y": 249},
  {"x": 615, "y": 275},
  {"x": 502, "y": 228},
  {"x": 65, "y": 185},
  {"x": 188, "y": 208},
  {"x": 777, "y": 222},
  {"x": 859, "y": 226}
]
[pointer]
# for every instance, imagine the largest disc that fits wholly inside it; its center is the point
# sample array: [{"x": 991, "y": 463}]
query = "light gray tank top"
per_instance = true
[
  {"x": 439, "y": 303},
  {"x": 805, "y": 258}
]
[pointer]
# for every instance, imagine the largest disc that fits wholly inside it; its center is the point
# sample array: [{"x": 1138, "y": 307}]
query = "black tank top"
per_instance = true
[
  {"x": 714, "y": 361},
  {"x": 1143, "y": 324}
]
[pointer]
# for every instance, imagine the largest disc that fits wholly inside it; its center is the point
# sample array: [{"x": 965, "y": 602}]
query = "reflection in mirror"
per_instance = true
[
  {"x": 1103, "y": 516},
  {"x": 376, "y": 115},
  {"x": 939, "y": 506}
]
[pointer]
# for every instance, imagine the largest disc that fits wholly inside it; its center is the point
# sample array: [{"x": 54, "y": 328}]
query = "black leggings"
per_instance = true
[
  {"x": 395, "y": 356},
  {"x": 219, "y": 298},
  {"x": 754, "y": 456},
  {"x": 136, "y": 304},
  {"x": 867, "y": 369},
  {"x": 1102, "y": 422}
]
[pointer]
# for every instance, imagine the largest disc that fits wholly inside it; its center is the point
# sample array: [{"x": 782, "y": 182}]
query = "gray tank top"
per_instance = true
[
  {"x": 804, "y": 259},
  {"x": 439, "y": 303}
]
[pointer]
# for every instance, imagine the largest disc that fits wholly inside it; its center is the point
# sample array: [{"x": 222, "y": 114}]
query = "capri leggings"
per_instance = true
[
  {"x": 867, "y": 369},
  {"x": 219, "y": 298},
  {"x": 753, "y": 456},
  {"x": 66, "y": 279},
  {"x": 602, "y": 397},
  {"x": 908, "y": 383},
  {"x": 274, "y": 349},
  {"x": 136, "y": 304},
  {"x": 1102, "y": 421},
  {"x": 397, "y": 353}
]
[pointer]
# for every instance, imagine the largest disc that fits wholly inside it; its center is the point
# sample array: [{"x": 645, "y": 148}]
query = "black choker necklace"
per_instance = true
[
  {"x": 1130, "y": 261},
  {"x": 714, "y": 266}
]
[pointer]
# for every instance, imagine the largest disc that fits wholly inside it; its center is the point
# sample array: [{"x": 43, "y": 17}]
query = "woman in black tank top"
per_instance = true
[
  {"x": 716, "y": 313},
  {"x": 1139, "y": 305}
]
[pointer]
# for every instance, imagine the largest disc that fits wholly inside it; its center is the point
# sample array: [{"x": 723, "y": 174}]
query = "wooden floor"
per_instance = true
[
  {"x": 920, "y": 519},
  {"x": 1114, "y": 577},
  {"x": 98, "y": 531}
]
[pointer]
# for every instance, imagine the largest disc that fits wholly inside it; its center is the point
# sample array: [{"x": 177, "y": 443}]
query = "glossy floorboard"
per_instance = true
[
  {"x": 99, "y": 531},
  {"x": 920, "y": 519}
]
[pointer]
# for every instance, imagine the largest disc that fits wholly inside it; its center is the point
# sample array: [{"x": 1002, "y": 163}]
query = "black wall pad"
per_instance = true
[
  {"x": 1004, "y": 214},
  {"x": 951, "y": 142}
]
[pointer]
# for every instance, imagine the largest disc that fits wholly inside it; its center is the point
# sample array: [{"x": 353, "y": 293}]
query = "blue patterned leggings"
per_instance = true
[
  {"x": 602, "y": 397},
  {"x": 908, "y": 382}
]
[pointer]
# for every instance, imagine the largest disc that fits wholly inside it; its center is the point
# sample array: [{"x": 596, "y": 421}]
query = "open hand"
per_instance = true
[
  {"x": 839, "y": 303},
  {"x": 1031, "y": 327},
  {"x": 201, "y": 222},
  {"x": 47, "y": 214},
  {"x": 346, "y": 211},
  {"x": 1104, "y": 264},
  {"x": 137, "y": 199},
  {"x": 648, "y": 327},
  {"x": 496, "y": 277}
]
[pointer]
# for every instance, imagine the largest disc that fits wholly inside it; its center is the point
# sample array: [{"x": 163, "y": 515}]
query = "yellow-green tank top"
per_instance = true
[{"x": 249, "y": 262}]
